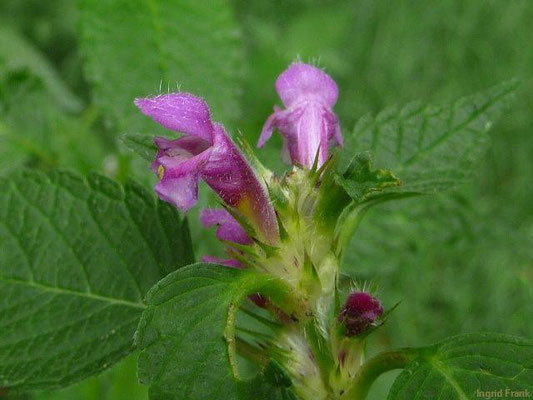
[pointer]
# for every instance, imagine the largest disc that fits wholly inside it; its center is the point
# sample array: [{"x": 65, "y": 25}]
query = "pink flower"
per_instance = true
[
  {"x": 205, "y": 152},
  {"x": 308, "y": 124},
  {"x": 229, "y": 230}
]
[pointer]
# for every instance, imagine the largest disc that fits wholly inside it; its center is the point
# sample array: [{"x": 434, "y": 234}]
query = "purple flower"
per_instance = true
[
  {"x": 307, "y": 123},
  {"x": 228, "y": 228},
  {"x": 360, "y": 311},
  {"x": 205, "y": 152}
]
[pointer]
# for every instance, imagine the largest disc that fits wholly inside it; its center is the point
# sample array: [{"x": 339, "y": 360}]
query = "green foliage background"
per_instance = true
[{"x": 459, "y": 262}]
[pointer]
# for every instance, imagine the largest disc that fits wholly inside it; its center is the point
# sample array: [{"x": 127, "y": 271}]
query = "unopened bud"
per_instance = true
[{"x": 359, "y": 313}]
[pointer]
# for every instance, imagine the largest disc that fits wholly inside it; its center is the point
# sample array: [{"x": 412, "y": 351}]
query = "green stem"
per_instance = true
[{"x": 378, "y": 365}]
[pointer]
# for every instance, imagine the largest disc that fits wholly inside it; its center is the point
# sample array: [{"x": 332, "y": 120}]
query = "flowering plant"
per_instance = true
[
  {"x": 285, "y": 238},
  {"x": 275, "y": 317}
]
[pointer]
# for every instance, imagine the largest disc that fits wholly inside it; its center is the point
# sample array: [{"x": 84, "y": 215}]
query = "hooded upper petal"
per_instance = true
[
  {"x": 302, "y": 82},
  {"x": 180, "y": 112}
]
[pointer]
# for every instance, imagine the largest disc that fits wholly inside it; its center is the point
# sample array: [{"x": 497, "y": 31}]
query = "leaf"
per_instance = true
[
  {"x": 16, "y": 54},
  {"x": 359, "y": 181},
  {"x": 136, "y": 48},
  {"x": 35, "y": 131},
  {"x": 77, "y": 258},
  {"x": 433, "y": 148},
  {"x": 464, "y": 366},
  {"x": 187, "y": 332},
  {"x": 141, "y": 144}
]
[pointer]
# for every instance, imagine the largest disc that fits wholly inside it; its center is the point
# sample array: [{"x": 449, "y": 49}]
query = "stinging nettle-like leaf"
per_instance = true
[
  {"x": 432, "y": 148},
  {"x": 466, "y": 367},
  {"x": 16, "y": 54},
  {"x": 77, "y": 258},
  {"x": 187, "y": 333},
  {"x": 137, "y": 48}
]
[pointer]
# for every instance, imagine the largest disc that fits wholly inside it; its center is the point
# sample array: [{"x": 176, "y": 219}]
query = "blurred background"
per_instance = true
[{"x": 459, "y": 262}]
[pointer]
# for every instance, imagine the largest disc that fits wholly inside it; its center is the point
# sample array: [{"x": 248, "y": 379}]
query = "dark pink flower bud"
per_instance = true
[{"x": 359, "y": 313}]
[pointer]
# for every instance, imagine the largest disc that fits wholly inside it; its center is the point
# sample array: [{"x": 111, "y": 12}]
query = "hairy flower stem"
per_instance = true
[{"x": 376, "y": 366}]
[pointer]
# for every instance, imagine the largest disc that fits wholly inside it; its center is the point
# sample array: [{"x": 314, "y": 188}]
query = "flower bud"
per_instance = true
[{"x": 359, "y": 313}]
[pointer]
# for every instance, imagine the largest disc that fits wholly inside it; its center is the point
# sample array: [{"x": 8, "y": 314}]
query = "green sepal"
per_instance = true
[{"x": 141, "y": 144}]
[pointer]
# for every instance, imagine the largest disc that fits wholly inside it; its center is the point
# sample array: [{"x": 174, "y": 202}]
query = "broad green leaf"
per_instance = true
[
  {"x": 136, "y": 48},
  {"x": 187, "y": 332},
  {"x": 77, "y": 258},
  {"x": 16, "y": 54},
  {"x": 141, "y": 144},
  {"x": 36, "y": 131},
  {"x": 466, "y": 366},
  {"x": 432, "y": 148},
  {"x": 360, "y": 181}
]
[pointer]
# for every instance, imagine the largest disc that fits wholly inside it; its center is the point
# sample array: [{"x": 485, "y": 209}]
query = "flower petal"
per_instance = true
[
  {"x": 230, "y": 262},
  {"x": 334, "y": 129},
  {"x": 268, "y": 128},
  {"x": 285, "y": 153},
  {"x": 302, "y": 82},
  {"x": 179, "y": 180},
  {"x": 180, "y": 112},
  {"x": 306, "y": 133},
  {"x": 182, "y": 191},
  {"x": 228, "y": 228},
  {"x": 174, "y": 152}
]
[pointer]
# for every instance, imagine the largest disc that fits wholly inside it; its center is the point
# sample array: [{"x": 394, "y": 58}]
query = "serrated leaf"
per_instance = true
[
  {"x": 186, "y": 334},
  {"x": 432, "y": 148},
  {"x": 141, "y": 144},
  {"x": 360, "y": 181},
  {"x": 77, "y": 258},
  {"x": 464, "y": 366},
  {"x": 16, "y": 54},
  {"x": 136, "y": 48}
]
